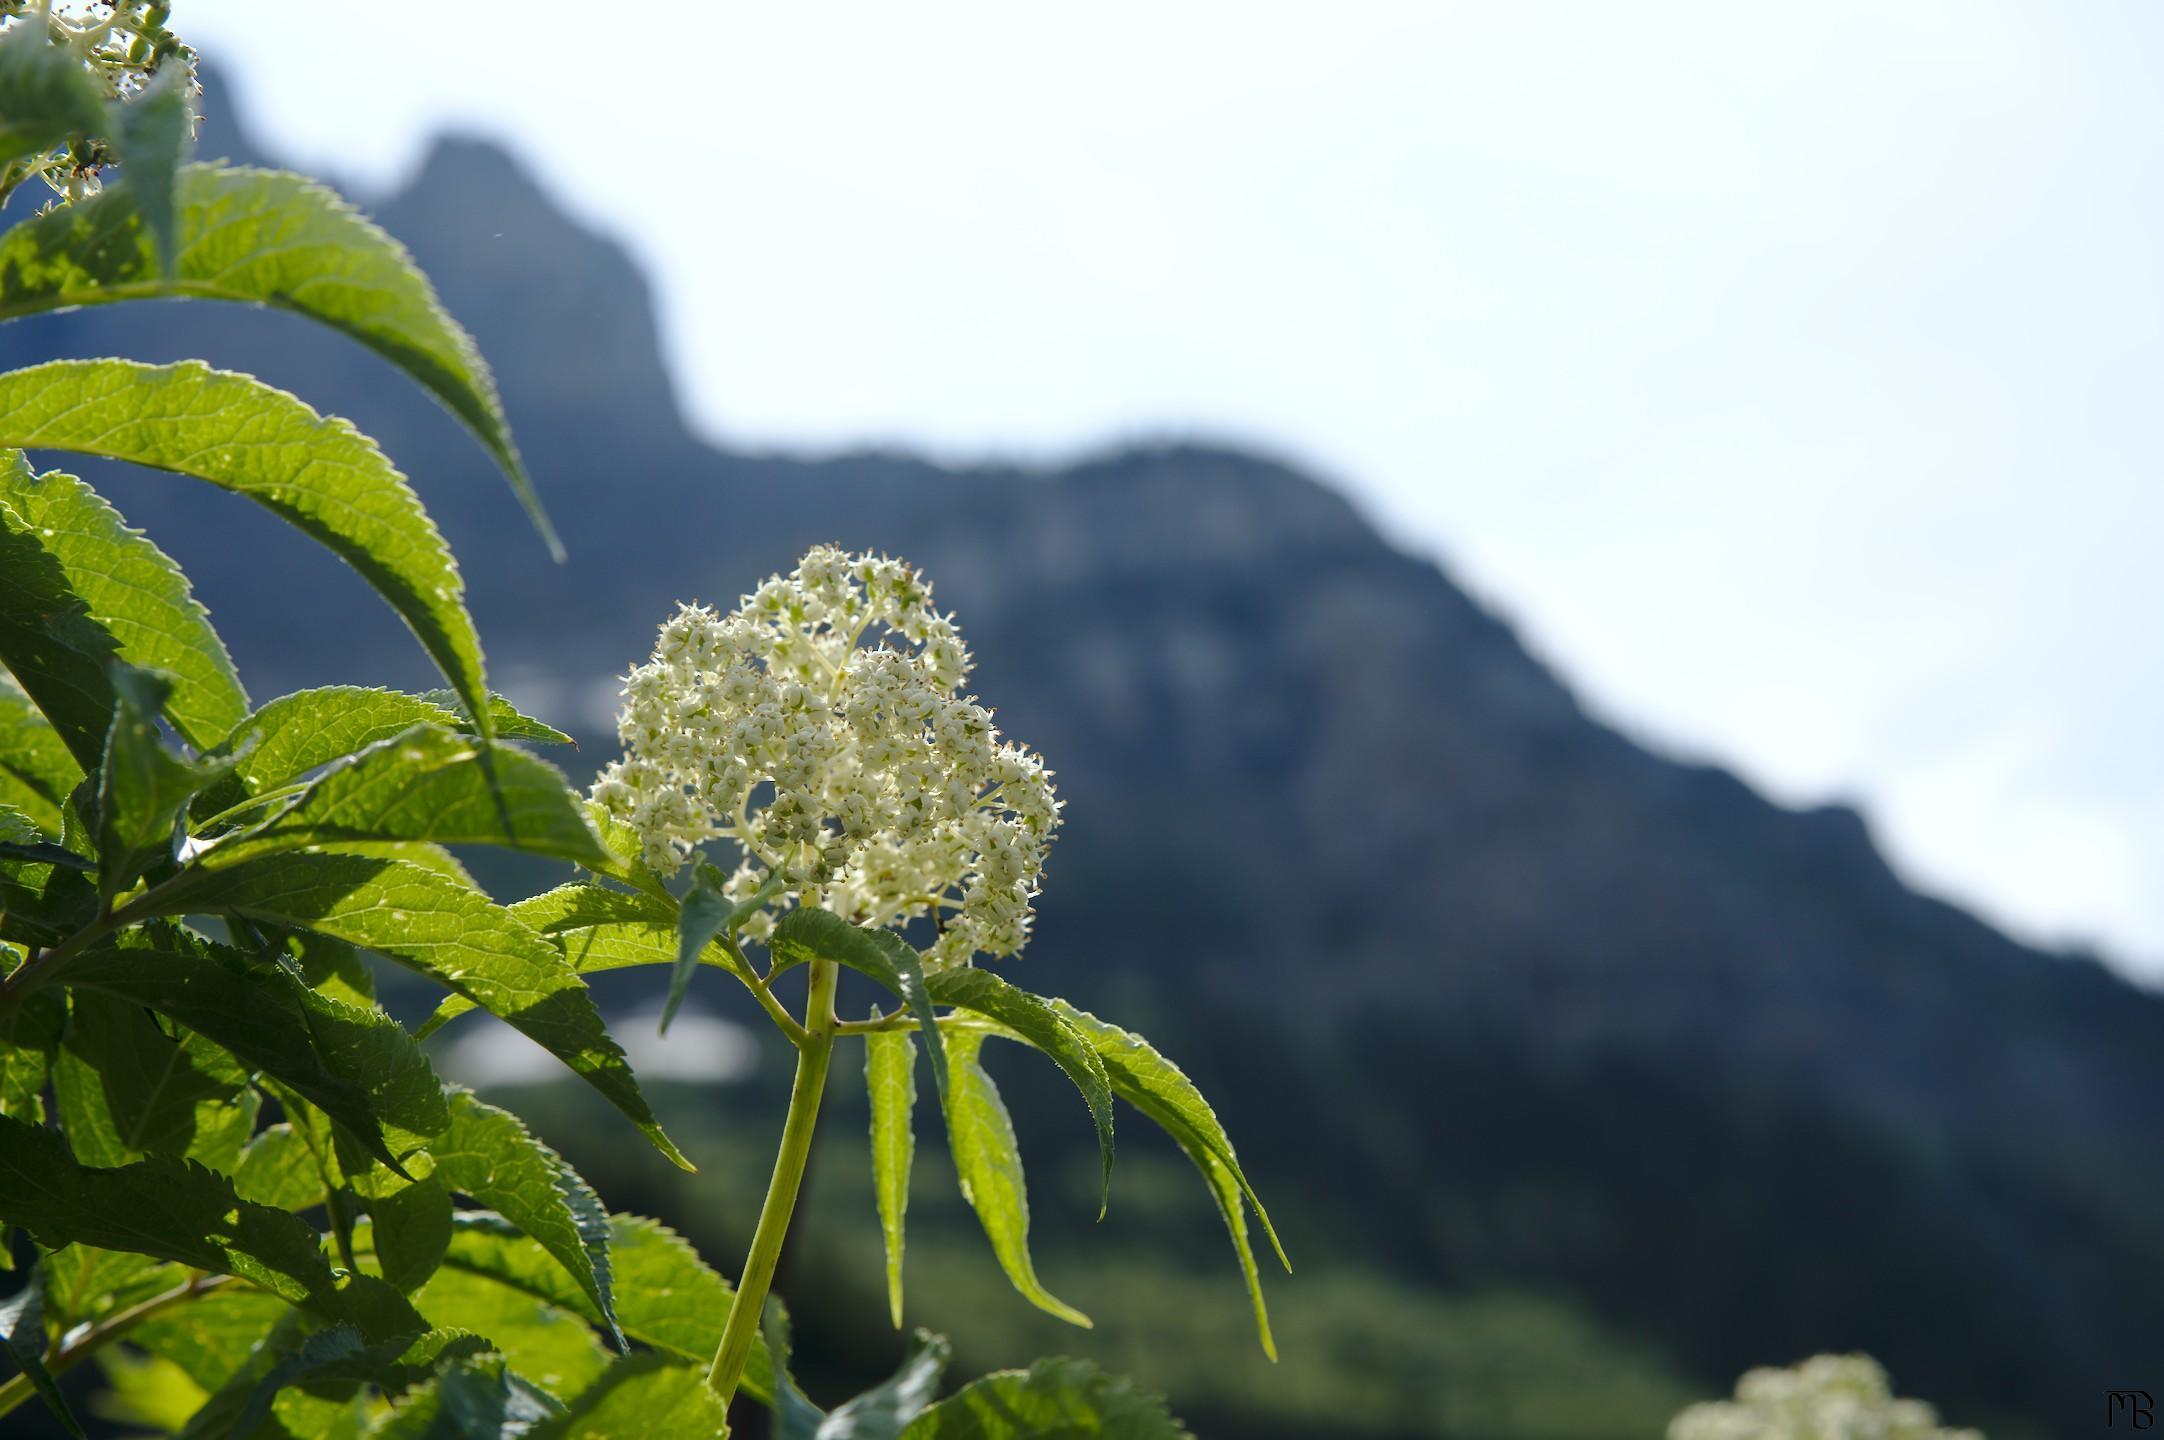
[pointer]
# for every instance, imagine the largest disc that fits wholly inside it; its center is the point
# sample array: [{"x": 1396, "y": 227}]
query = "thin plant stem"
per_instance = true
[
  {"x": 72, "y": 1350},
  {"x": 813, "y": 1055}
]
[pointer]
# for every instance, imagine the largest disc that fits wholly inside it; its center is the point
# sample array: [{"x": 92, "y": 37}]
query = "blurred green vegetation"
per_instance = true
[{"x": 1364, "y": 1353}]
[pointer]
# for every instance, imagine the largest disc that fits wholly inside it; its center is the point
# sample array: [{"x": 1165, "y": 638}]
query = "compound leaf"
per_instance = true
[
  {"x": 439, "y": 928},
  {"x": 136, "y": 592},
  {"x": 431, "y": 784},
  {"x": 318, "y": 474},
  {"x": 262, "y": 237},
  {"x": 989, "y": 1165}
]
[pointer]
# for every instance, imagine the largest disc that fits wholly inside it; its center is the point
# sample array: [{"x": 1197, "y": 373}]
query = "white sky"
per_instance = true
[{"x": 1790, "y": 375}]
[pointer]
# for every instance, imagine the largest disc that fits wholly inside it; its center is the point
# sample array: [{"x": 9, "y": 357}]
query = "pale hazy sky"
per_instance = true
[{"x": 1793, "y": 376}]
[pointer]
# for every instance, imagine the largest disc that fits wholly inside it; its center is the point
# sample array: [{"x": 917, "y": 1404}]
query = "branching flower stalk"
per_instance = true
[{"x": 846, "y": 774}]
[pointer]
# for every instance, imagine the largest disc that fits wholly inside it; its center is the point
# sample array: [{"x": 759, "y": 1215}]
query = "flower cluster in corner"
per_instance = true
[
  {"x": 1827, "y": 1397},
  {"x": 821, "y": 726}
]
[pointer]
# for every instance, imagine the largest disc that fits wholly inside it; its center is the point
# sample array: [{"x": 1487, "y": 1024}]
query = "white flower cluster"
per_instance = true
[
  {"x": 1827, "y": 1397},
  {"x": 820, "y": 726}
]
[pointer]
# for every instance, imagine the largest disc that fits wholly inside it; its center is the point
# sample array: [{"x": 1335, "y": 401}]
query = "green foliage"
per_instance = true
[
  {"x": 890, "y": 1063},
  {"x": 260, "y": 1209},
  {"x": 1056, "y": 1399},
  {"x": 319, "y": 475},
  {"x": 989, "y": 1166},
  {"x": 137, "y": 594},
  {"x": 260, "y": 237}
]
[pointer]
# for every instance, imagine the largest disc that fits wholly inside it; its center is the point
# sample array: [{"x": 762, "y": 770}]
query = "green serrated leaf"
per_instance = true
[
  {"x": 1037, "y": 1022},
  {"x": 29, "y": 1040},
  {"x": 36, "y": 771},
  {"x": 510, "y": 722},
  {"x": 600, "y": 929},
  {"x": 481, "y": 1399},
  {"x": 666, "y": 1296},
  {"x": 179, "y": 1211},
  {"x": 83, "y": 1282},
  {"x": 262, "y": 237},
  {"x": 22, "y": 1334},
  {"x": 135, "y": 592},
  {"x": 151, "y": 132},
  {"x": 650, "y": 1396},
  {"x": 553, "y": 1347},
  {"x": 890, "y": 1075},
  {"x": 143, "y": 787},
  {"x": 317, "y": 473},
  {"x": 46, "y": 96},
  {"x": 358, "y": 1066},
  {"x": 1155, "y": 1086},
  {"x": 275, "y": 1169},
  {"x": 412, "y": 1225},
  {"x": 430, "y": 784},
  {"x": 294, "y": 734},
  {"x": 986, "y": 1160},
  {"x": 126, "y": 1089},
  {"x": 43, "y": 903},
  {"x": 812, "y": 934},
  {"x": 489, "y": 1155},
  {"x": 442, "y": 930},
  {"x": 1056, "y": 1399},
  {"x": 212, "y": 1337},
  {"x": 708, "y": 918}
]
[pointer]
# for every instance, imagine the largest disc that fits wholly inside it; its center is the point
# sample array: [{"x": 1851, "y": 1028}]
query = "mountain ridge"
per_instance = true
[{"x": 1348, "y": 807}]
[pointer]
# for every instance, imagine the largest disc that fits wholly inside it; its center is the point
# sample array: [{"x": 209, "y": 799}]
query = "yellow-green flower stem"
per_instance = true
[{"x": 814, "y": 1052}]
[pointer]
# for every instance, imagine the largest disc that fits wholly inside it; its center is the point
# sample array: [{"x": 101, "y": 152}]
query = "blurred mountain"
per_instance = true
[{"x": 1492, "y": 998}]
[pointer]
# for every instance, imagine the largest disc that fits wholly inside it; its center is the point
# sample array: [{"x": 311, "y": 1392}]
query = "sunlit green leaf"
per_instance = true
[
  {"x": 36, "y": 771},
  {"x": 489, "y": 1155},
  {"x": 318, "y": 474},
  {"x": 143, "y": 787},
  {"x": 666, "y": 1296},
  {"x": 510, "y": 722},
  {"x": 442, "y": 930},
  {"x": 989, "y": 1166},
  {"x": 261, "y": 237},
  {"x": 600, "y": 929},
  {"x": 1056, "y": 1399},
  {"x": 43, "y": 903},
  {"x": 434, "y": 785},
  {"x": 84, "y": 1282},
  {"x": 481, "y": 1399},
  {"x": 653, "y": 1397},
  {"x": 1156, "y": 1087},
  {"x": 890, "y": 1065},
  {"x": 1038, "y": 1023},
  {"x": 553, "y": 1347},
  {"x": 29, "y": 1040},
  {"x": 136, "y": 592},
  {"x": 296, "y": 733},
  {"x": 275, "y": 1169}
]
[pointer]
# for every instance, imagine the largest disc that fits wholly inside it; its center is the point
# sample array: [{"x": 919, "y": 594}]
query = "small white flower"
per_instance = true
[{"x": 820, "y": 727}]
